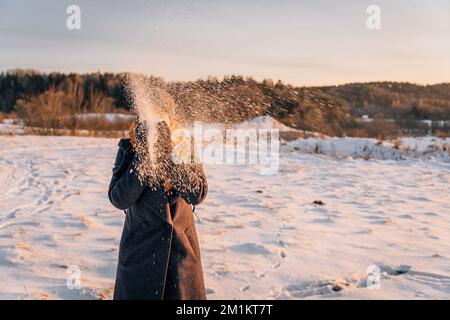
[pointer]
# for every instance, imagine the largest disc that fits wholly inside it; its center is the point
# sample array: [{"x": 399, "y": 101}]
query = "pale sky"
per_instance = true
[{"x": 313, "y": 42}]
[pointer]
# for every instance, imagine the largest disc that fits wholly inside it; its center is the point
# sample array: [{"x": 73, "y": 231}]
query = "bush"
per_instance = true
[
  {"x": 59, "y": 109},
  {"x": 442, "y": 134},
  {"x": 97, "y": 124}
]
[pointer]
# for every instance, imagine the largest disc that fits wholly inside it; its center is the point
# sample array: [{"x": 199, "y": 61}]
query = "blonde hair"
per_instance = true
[{"x": 131, "y": 135}]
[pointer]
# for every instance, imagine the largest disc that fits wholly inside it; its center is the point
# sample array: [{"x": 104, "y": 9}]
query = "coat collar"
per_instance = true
[{"x": 125, "y": 144}]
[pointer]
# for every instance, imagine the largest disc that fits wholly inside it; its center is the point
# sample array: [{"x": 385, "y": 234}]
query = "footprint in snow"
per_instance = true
[
  {"x": 251, "y": 248},
  {"x": 246, "y": 288}
]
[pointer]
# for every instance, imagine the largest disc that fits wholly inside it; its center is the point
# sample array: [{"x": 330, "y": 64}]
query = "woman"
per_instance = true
[{"x": 159, "y": 254}]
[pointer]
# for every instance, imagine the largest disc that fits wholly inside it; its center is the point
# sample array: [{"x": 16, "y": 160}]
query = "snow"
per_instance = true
[
  {"x": 110, "y": 117},
  {"x": 264, "y": 122},
  {"x": 11, "y": 127},
  {"x": 17, "y": 126},
  {"x": 261, "y": 237},
  {"x": 258, "y": 123},
  {"x": 404, "y": 148}
]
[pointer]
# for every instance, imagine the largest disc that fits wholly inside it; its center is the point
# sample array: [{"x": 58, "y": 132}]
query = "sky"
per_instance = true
[{"x": 312, "y": 42}]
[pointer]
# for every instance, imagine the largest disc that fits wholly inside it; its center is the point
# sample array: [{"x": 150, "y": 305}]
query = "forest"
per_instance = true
[{"x": 55, "y": 100}]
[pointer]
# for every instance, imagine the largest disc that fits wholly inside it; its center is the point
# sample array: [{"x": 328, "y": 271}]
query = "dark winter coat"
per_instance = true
[{"x": 159, "y": 254}]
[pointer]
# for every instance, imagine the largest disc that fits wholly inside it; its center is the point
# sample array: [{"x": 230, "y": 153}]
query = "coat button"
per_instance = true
[{"x": 144, "y": 225}]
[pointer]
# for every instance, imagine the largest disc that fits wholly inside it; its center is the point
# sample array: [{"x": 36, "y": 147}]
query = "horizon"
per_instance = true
[
  {"x": 307, "y": 43},
  {"x": 245, "y": 77}
]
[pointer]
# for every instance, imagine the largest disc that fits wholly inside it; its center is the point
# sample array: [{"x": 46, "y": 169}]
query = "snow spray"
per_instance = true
[
  {"x": 158, "y": 150},
  {"x": 151, "y": 106}
]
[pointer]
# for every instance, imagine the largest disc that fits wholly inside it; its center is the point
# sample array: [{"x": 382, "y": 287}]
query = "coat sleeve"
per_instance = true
[
  {"x": 125, "y": 187},
  {"x": 190, "y": 183}
]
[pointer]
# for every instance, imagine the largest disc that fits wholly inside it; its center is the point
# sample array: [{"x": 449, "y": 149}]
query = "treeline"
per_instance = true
[
  {"x": 57, "y": 99},
  {"x": 24, "y": 84},
  {"x": 396, "y": 100}
]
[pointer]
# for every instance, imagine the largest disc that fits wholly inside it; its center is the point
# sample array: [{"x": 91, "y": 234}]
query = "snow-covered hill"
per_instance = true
[
  {"x": 264, "y": 122},
  {"x": 401, "y": 149},
  {"x": 314, "y": 143}
]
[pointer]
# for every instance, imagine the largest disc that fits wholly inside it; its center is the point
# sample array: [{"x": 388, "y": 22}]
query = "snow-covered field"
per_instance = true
[{"x": 261, "y": 237}]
